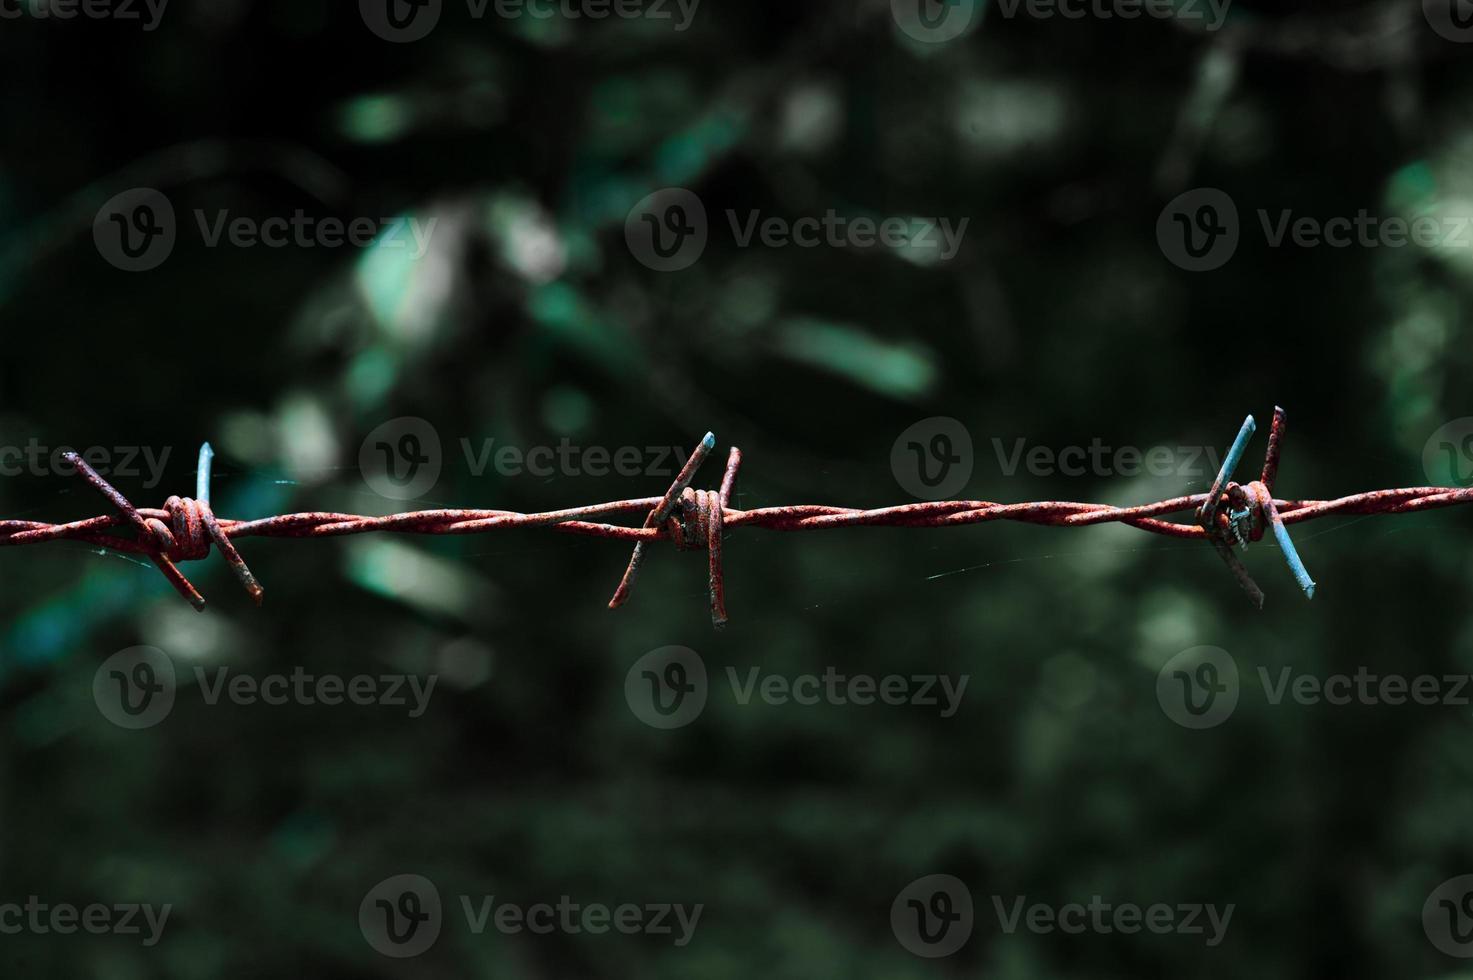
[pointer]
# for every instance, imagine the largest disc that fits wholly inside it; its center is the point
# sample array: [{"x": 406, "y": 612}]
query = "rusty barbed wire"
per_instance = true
[{"x": 1229, "y": 515}]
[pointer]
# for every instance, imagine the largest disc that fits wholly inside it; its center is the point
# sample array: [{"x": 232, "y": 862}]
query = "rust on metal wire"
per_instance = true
[{"x": 1229, "y": 516}]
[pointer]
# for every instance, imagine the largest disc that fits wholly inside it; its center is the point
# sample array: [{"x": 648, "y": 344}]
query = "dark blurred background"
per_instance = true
[{"x": 1062, "y": 318}]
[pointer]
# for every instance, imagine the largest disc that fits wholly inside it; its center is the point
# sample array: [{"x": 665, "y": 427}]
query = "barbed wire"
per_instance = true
[{"x": 1230, "y": 515}]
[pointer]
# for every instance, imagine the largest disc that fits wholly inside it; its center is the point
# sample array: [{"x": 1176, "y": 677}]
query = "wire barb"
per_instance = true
[
  {"x": 1230, "y": 516},
  {"x": 1250, "y": 507},
  {"x": 1207, "y": 514},
  {"x": 187, "y": 536},
  {"x": 660, "y": 513}
]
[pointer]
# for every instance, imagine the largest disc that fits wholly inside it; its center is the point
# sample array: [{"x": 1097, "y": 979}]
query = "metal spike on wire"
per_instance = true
[{"x": 1230, "y": 516}]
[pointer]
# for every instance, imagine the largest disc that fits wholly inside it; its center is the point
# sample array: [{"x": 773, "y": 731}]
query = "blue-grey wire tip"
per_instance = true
[
  {"x": 202, "y": 473},
  {"x": 1225, "y": 472},
  {"x": 1250, "y": 426},
  {"x": 1239, "y": 446},
  {"x": 1291, "y": 555},
  {"x": 710, "y": 441}
]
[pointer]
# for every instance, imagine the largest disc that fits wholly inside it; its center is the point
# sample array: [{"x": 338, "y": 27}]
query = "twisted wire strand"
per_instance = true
[{"x": 1228, "y": 515}]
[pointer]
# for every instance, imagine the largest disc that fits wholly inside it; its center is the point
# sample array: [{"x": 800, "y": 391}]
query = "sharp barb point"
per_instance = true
[{"x": 202, "y": 473}]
